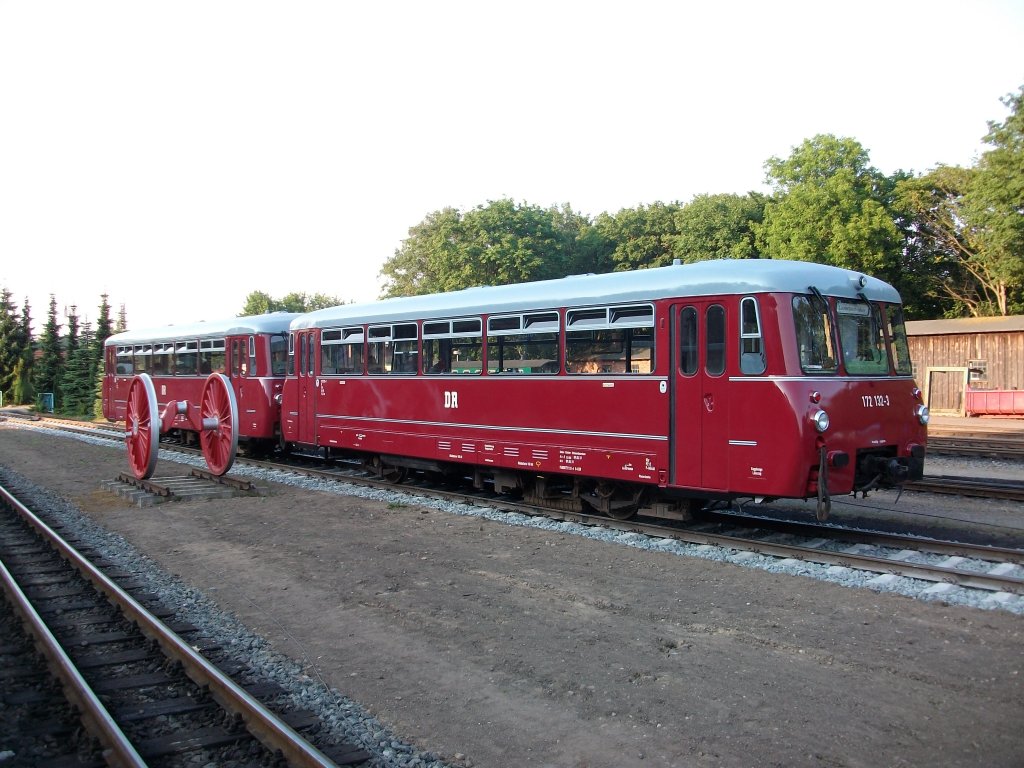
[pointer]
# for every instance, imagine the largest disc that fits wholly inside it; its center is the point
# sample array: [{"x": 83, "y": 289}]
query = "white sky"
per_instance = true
[{"x": 180, "y": 155}]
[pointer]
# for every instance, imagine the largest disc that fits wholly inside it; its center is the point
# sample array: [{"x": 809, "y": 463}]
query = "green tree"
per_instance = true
[
  {"x": 79, "y": 376},
  {"x": 508, "y": 243},
  {"x": 422, "y": 262},
  {"x": 499, "y": 243},
  {"x": 641, "y": 237},
  {"x": 718, "y": 227},
  {"x": 23, "y": 392},
  {"x": 257, "y": 303},
  {"x": 104, "y": 327},
  {"x": 995, "y": 206},
  {"x": 588, "y": 251},
  {"x": 11, "y": 344},
  {"x": 939, "y": 242},
  {"x": 47, "y": 371},
  {"x": 260, "y": 303},
  {"x": 97, "y": 404},
  {"x": 122, "y": 321},
  {"x": 831, "y": 206}
]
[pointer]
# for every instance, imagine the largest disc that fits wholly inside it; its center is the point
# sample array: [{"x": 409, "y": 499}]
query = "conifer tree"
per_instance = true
[
  {"x": 11, "y": 346},
  {"x": 70, "y": 349},
  {"x": 24, "y": 392},
  {"x": 122, "y": 321},
  {"x": 48, "y": 369},
  {"x": 97, "y": 406},
  {"x": 104, "y": 327},
  {"x": 79, "y": 376}
]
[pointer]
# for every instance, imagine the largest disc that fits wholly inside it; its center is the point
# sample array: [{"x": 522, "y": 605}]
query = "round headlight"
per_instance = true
[
  {"x": 922, "y": 414},
  {"x": 820, "y": 419}
]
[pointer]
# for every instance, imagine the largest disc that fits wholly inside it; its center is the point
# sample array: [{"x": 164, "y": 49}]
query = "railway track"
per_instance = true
[
  {"x": 993, "y": 569},
  {"x": 143, "y": 692},
  {"x": 995, "y": 446},
  {"x": 970, "y": 486}
]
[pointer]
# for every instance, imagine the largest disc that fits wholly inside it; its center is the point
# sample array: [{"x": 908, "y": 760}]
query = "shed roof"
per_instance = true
[{"x": 965, "y": 325}]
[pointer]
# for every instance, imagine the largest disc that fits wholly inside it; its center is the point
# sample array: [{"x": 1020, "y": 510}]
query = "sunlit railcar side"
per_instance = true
[{"x": 731, "y": 379}]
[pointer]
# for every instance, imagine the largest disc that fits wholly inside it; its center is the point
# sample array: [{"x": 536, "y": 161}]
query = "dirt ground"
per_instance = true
[{"x": 514, "y": 646}]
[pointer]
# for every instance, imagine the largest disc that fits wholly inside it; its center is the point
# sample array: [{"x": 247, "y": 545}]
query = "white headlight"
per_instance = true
[
  {"x": 820, "y": 419},
  {"x": 922, "y": 414}
]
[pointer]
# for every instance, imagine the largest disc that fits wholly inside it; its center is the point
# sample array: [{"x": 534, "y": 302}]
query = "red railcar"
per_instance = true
[
  {"x": 250, "y": 352},
  {"x": 652, "y": 389}
]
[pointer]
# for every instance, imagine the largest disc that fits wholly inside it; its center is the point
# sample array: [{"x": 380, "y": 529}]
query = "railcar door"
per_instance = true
[
  {"x": 700, "y": 406},
  {"x": 239, "y": 372},
  {"x": 308, "y": 386}
]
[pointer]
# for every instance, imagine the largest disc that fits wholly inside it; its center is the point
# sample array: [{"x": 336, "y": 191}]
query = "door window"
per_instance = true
[
  {"x": 689, "y": 352},
  {"x": 714, "y": 364}
]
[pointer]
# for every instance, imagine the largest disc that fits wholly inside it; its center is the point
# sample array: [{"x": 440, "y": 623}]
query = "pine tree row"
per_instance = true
[{"x": 68, "y": 367}]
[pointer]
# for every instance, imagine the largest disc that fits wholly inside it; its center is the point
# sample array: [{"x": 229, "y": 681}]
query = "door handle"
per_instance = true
[{"x": 709, "y": 402}]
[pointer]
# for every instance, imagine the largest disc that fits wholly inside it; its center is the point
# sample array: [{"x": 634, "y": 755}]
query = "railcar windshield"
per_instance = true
[
  {"x": 814, "y": 335},
  {"x": 862, "y": 338},
  {"x": 898, "y": 334},
  {"x": 278, "y": 354}
]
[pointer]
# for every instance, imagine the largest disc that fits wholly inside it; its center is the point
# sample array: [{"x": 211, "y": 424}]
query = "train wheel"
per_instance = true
[
  {"x": 618, "y": 502},
  {"x": 392, "y": 474},
  {"x": 218, "y": 410},
  {"x": 142, "y": 427}
]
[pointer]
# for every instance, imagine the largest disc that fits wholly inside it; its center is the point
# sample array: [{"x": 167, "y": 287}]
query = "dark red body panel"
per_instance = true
[{"x": 589, "y": 426}]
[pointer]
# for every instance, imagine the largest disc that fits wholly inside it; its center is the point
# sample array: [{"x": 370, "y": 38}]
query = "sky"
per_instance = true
[{"x": 178, "y": 156}]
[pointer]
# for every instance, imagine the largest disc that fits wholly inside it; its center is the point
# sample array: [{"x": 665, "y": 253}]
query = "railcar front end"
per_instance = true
[{"x": 826, "y": 403}]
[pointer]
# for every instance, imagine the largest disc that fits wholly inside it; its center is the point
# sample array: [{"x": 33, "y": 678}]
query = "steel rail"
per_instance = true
[
  {"x": 117, "y": 748},
  {"x": 964, "y": 486},
  {"x": 879, "y": 538},
  {"x": 260, "y": 721},
  {"x": 996, "y": 446}
]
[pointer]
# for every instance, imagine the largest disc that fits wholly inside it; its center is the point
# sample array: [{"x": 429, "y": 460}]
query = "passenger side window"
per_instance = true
[
  {"x": 523, "y": 343},
  {"x": 608, "y": 340},
  {"x": 453, "y": 346},
  {"x": 393, "y": 349},
  {"x": 341, "y": 351}
]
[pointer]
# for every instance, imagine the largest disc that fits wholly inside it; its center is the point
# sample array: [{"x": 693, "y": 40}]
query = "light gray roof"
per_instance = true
[
  {"x": 275, "y": 322},
  {"x": 706, "y": 278},
  {"x": 963, "y": 325}
]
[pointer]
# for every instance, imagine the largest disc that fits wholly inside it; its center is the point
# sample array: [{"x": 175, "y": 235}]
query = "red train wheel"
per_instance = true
[
  {"x": 218, "y": 410},
  {"x": 142, "y": 428}
]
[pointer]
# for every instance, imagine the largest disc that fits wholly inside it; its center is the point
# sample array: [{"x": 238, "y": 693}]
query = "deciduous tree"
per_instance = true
[
  {"x": 995, "y": 207},
  {"x": 718, "y": 227},
  {"x": 641, "y": 237},
  {"x": 499, "y": 243},
  {"x": 260, "y": 303},
  {"x": 831, "y": 206}
]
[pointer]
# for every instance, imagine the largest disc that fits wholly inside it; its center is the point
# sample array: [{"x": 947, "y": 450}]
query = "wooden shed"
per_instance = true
[{"x": 972, "y": 366}]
